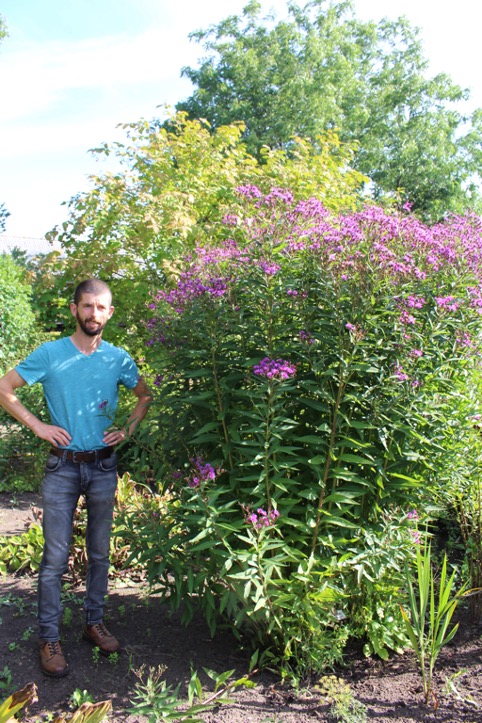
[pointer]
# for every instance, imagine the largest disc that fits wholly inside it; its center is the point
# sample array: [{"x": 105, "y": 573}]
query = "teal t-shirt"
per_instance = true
[{"x": 81, "y": 391}]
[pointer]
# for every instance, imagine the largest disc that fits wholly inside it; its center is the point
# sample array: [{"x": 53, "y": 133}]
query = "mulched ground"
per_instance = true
[{"x": 151, "y": 637}]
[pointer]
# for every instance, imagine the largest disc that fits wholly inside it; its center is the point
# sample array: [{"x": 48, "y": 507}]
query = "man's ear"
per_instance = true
[
  {"x": 111, "y": 311},
  {"x": 73, "y": 309}
]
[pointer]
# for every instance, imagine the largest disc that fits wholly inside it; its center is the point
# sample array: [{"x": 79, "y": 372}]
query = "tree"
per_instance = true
[
  {"x": 325, "y": 69},
  {"x": 171, "y": 194}
]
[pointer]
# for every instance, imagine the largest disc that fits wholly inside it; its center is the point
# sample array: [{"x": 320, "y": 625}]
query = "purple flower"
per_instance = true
[
  {"x": 103, "y": 404},
  {"x": 270, "y": 269},
  {"x": 412, "y": 515},
  {"x": 274, "y": 369},
  {"x": 306, "y": 337},
  {"x": 400, "y": 374},
  {"x": 262, "y": 518},
  {"x": 201, "y": 472}
]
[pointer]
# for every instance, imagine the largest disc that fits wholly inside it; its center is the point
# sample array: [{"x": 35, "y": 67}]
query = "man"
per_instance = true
[{"x": 80, "y": 375}]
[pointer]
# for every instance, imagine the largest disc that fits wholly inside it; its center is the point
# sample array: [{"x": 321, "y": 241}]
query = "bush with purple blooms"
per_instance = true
[{"x": 311, "y": 361}]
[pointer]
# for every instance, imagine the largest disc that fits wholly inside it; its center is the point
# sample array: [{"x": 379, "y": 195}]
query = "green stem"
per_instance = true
[
  {"x": 219, "y": 398},
  {"x": 267, "y": 435},
  {"x": 324, "y": 482}
]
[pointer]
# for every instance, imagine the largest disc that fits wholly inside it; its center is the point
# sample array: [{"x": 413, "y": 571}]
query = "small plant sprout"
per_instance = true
[{"x": 78, "y": 697}]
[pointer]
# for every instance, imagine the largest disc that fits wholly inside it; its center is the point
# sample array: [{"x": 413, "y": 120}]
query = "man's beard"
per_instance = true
[{"x": 90, "y": 332}]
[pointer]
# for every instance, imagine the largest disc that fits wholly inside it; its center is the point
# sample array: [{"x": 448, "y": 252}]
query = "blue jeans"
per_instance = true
[{"x": 63, "y": 484}]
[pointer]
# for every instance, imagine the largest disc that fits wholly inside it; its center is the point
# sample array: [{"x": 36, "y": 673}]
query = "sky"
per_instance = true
[{"x": 72, "y": 71}]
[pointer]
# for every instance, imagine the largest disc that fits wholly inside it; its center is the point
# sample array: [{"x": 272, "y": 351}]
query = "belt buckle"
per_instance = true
[{"x": 74, "y": 457}]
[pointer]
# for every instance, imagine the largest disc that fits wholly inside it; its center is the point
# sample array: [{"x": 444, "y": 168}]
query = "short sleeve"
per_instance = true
[
  {"x": 35, "y": 366},
  {"x": 129, "y": 372}
]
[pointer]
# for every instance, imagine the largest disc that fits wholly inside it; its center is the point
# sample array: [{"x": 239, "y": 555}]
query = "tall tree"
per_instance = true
[{"x": 322, "y": 68}]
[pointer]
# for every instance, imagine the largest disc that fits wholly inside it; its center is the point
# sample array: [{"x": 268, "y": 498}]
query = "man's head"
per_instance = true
[
  {"x": 91, "y": 286},
  {"x": 92, "y": 306}
]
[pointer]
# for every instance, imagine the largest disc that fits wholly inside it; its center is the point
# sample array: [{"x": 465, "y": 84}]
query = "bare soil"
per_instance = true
[{"x": 150, "y": 636}]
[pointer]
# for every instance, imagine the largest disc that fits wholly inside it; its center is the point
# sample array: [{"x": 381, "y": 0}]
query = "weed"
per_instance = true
[
  {"x": 12, "y": 647},
  {"x": 78, "y": 697},
  {"x": 27, "y": 633},
  {"x": 114, "y": 658},
  {"x": 345, "y": 708},
  {"x": 95, "y": 655},
  {"x": 5, "y": 681},
  {"x": 67, "y": 617},
  {"x": 451, "y": 689}
]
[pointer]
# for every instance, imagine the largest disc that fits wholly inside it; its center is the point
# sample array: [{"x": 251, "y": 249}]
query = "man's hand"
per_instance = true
[
  {"x": 9, "y": 401},
  {"x": 114, "y": 436},
  {"x": 57, "y": 436}
]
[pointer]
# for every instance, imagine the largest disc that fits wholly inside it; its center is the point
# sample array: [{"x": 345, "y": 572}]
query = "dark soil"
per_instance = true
[{"x": 391, "y": 691}]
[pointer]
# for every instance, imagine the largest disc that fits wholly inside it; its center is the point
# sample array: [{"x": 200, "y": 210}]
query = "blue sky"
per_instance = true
[{"x": 72, "y": 70}]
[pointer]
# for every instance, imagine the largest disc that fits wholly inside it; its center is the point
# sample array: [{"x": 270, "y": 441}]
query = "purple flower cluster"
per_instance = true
[
  {"x": 201, "y": 472},
  {"x": 306, "y": 337},
  {"x": 270, "y": 268},
  {"x": 274, "y": 369},
  {"x": 261, "y": 518}
]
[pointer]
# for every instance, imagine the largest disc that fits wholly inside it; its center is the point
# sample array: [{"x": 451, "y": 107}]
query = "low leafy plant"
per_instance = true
[
  {"x": 160, "y": 703},
  {"x": 433, "y": 602},
  {"x": 22, "y": 552}
]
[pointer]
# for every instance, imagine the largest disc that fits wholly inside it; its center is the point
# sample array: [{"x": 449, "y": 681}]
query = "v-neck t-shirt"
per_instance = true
[{"x": 81, "y": 390}]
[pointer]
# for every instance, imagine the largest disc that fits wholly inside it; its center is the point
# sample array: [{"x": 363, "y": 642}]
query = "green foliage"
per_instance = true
[
  {"x": 432, "y": 605},
  {"x": 460, "y": 488},
  {"x": 323, "y": 68},
  {"x": 160, "y": 702},
  {"x": 17, "y": 321},
  {"x": 171, "y": 192},
  {"x": 21, "y": 552}
]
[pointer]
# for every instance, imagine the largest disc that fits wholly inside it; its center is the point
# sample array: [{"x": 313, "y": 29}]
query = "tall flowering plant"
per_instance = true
[{"x": 312, "y": 358}]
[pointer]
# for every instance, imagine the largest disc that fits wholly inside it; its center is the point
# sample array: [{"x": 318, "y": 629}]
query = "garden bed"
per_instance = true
[{"x": 391, "y": 691}]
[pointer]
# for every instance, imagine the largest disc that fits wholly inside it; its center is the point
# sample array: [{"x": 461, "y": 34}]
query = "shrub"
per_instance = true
[{"x": 306, "y": 369}]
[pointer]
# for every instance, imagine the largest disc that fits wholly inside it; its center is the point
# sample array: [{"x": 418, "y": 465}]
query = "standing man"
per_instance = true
[{"x": 80, "y": 375}]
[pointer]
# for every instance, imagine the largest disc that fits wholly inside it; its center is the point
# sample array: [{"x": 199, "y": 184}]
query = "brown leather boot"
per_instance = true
[
  {"x": 52, "y": 659},
  {"x": 100, "y": 636}
]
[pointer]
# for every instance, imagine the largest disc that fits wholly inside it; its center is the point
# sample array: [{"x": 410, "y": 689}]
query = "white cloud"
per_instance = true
[{"x": 41, "y": 76}]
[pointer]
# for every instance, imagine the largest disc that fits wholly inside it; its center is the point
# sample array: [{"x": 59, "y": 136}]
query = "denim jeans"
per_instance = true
[{"x": 63, "y": 484}]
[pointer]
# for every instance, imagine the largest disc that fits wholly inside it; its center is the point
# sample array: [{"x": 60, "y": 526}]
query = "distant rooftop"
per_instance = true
[{"x": 26, "y": 243}]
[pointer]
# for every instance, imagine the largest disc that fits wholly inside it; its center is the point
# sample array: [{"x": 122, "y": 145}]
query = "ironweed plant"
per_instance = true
[{"x": 305, "y": 368}]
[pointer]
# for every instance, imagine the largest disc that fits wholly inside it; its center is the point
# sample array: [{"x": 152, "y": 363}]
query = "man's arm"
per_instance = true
[
  {"x": 9, "y": 401},
  {"x": 144, "y": 399}
]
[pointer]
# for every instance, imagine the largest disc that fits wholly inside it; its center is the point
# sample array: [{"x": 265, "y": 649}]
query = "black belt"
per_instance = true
[{"x": 72, "y": 456}]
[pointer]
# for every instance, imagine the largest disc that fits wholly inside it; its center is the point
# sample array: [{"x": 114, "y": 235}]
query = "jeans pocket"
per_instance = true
[
  {"x": 109, "y": 464},
  {"x": 52, "y": 463}
]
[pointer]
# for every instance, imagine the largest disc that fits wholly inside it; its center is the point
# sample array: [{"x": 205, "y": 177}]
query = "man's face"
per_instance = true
[{"x": 93, "y": 312}]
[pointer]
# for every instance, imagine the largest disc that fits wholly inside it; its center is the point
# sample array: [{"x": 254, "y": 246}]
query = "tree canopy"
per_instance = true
[{"x": 323, "y": 68}]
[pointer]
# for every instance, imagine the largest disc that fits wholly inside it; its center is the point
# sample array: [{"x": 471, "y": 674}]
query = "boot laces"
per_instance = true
[{"x": 101, "y": 630}]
